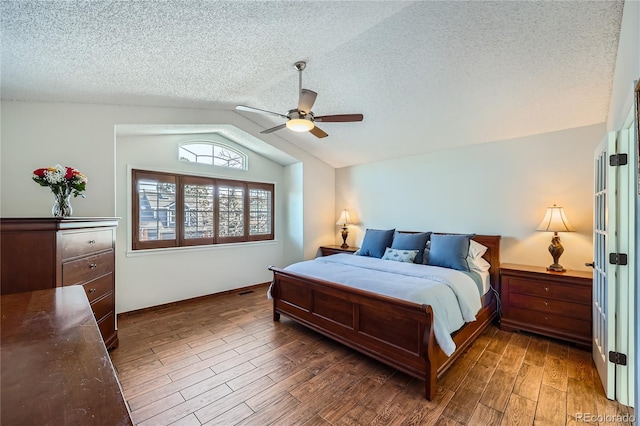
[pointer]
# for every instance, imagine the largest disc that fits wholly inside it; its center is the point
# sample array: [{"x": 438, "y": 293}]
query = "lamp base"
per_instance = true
[
  {"x": 556, "y": 250},
  {"x": 556, "y": 268},
  {"x": 345, "y": 234}
]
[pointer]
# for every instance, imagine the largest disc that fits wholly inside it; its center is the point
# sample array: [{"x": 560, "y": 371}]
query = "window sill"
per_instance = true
[{"x": 169, "y": 250}]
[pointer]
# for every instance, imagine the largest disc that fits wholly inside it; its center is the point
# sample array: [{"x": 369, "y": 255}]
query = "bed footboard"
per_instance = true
[{"x": 395, "y": 332}]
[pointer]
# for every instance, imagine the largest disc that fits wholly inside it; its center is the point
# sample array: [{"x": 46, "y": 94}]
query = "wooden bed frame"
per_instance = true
[{"x": 393, "y": 331}]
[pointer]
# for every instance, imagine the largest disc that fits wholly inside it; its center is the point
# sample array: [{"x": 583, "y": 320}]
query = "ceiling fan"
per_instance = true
[{"x": 302, "y": 119}]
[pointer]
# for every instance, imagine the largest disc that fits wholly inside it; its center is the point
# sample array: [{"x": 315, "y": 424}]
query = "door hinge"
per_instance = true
[
  {"x": 618, "y": 258},
  {"x": 618, "y": 160},
  {"x": 617, "y": 358}
]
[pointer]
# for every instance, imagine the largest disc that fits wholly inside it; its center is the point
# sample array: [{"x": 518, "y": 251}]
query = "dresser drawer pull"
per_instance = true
[
  {"x": 546, "y": 318},
  {"x": 93, "y": 266},
  {"x": 92, "y": 242},
  {"x": 546, "y": 303},
  {"x": 546, "y": 289},
  {"x": 92, "y": 290}
]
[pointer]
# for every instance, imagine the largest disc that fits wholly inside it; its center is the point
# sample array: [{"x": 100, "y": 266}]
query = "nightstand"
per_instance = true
[
  {"x": 554, "y": 304},
  {"x": 329, "y": 250}
]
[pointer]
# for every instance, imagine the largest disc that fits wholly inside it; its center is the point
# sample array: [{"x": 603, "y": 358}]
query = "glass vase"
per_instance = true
[{"x": 62, "y": 205}]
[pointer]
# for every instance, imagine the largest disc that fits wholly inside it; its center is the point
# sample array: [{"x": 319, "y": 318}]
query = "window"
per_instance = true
[
  {"x": 216, "y": 154},
  {"x": 154, "y": 209},
  {"x": 172, "y": 210},
  {"x": 260, "y": 202}
]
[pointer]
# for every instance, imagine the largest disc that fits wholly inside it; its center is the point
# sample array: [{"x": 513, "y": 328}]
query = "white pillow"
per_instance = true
[
  {"x": 478, "y": 264},
  {"x": 476, "y": 250},
  {"x": 399, "y": 255}
]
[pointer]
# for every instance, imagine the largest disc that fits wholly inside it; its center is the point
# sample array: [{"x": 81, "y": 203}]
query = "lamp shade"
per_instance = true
[
  {"x": 344, "y": 218},
  {"x": 555, "y": 221}
]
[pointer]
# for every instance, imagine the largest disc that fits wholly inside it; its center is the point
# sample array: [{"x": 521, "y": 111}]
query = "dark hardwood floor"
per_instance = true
[{"x": 222, "y": 360}]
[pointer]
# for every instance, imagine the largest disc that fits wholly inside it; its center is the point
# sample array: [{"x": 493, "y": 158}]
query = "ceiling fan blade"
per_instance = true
[
  {"x": 339, "y": 118},
  {"x": 273, "y": 129},
  {"x": 261, "y": 111},
  {"x": 307, "y": 98},
  {"x": 318, "y": 132}
]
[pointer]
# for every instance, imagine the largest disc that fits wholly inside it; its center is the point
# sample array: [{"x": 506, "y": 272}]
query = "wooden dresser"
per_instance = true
[
  {"x": 555, "y": 304},
  {"x": 55, "y": 368},
  {"x": 41, "y": 253}
]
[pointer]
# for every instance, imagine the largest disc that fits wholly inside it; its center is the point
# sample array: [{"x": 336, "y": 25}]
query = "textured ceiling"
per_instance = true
[{"x": 427, "y": 75}]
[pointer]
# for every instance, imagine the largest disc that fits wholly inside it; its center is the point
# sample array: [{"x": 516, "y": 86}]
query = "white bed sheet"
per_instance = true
[
  {"x": 452, "y": 294},
  {"x": 486, "y": 281}
]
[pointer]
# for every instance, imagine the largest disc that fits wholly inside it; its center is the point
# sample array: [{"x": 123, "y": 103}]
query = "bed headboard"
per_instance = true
[{"x": 492, "y": 242}]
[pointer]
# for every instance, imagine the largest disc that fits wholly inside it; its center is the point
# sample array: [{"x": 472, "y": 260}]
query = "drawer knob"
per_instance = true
[
  {"x": 92, "y": 290},
  {"x": 93, "y": 266},
  {"x": 546, "y": 319},
  {"x": 546, "y": 289},
  {"x": 92, "y": 242},
  {"x": 546, "y": 303}
]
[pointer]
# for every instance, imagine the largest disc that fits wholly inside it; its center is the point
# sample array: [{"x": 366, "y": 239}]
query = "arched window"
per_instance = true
[{"x": 212, "y": 153}]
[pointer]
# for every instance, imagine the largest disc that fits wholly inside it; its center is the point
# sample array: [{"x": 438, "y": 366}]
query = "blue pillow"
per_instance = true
[
  {"x": 375, "y": 242},
  {"x": 450, "y": 251},
  {"x": 418, "y": 242}
]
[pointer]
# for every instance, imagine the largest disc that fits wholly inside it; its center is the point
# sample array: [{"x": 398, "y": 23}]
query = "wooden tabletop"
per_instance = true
[
  {"x": 55, "y": 367},
  {"x": 543, "y": 270}
]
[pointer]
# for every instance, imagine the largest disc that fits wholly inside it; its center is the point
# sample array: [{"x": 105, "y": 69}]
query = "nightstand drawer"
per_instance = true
[
  {"x": 552, "y": 306},
  {"x": 552, "y": 322},
  {"x": 576, "y": 294}
]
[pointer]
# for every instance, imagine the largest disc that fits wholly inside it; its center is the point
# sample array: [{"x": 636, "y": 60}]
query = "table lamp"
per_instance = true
[
  {"x": 555, "y": 221},
  {"x": 344, "y": 220}
]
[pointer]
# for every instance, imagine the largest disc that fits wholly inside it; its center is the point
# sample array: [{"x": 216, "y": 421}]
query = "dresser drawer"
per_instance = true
[
  {"x": 76, "y": 244},
  {"x": 102, "y": 307},
  {"x": 572, "y": 293},
  {"x": 549, "y": 321},
  {"x": 107, "y": 326},
  {"x": 87, "y": 269},
  {"x": 552, "y": 306},
  {"x": 97, "y": 288}
]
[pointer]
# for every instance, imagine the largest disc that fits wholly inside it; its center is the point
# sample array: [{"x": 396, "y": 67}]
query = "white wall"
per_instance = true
[
  {"x": 627, "y": 66},
  {"x": 153, "y": 277},
  {"x": 294, "y": 221},
  {"x": 499, "y": 188},
  {"x": 38, "y": 134}
]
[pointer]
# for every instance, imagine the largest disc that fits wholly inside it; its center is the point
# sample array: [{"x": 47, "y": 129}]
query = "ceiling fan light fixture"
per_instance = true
[
  {"x": 300, "y": 125},
  {"x": 301, "y": 119}
]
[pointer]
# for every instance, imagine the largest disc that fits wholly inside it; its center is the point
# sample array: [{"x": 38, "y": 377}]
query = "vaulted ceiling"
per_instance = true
[{"x": 427, "y": 75}]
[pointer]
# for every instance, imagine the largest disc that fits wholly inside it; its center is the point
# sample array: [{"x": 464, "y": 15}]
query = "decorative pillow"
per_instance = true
[
  {"x": 478, "y": 264},
  {"x": 411, "y": 242},
  {"x": 399, "y": 255},
  {"x": 375, "y": 242},
  {"x": 450, "y": 251}
]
